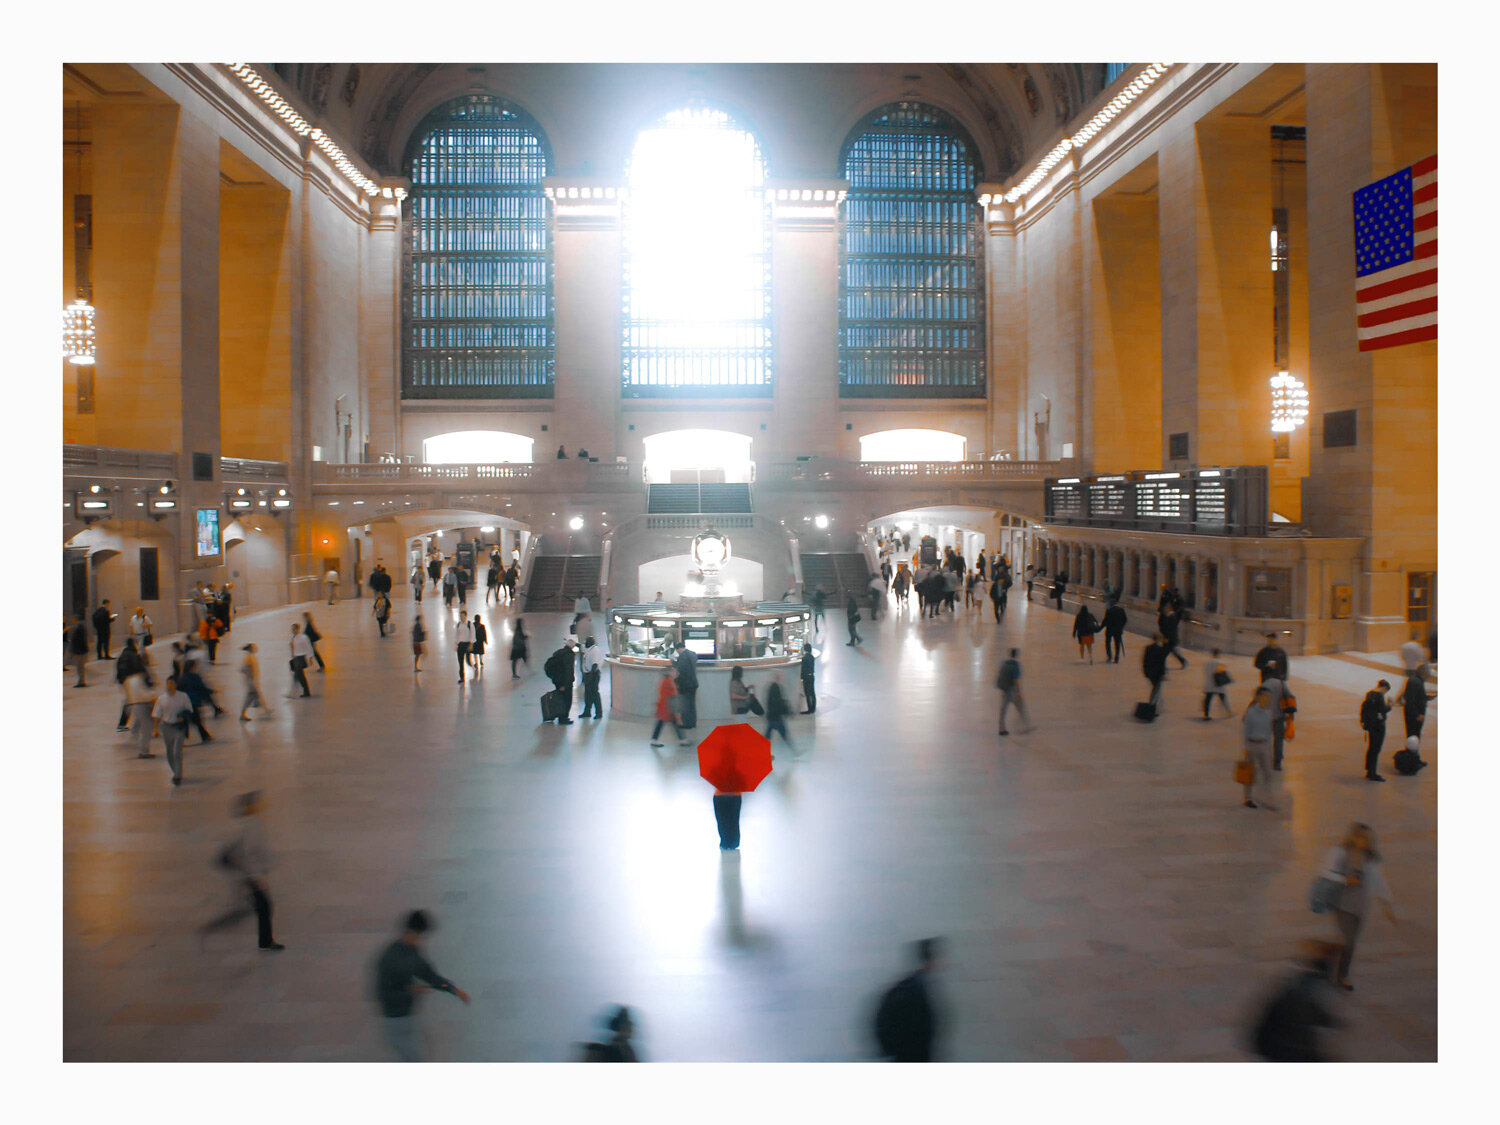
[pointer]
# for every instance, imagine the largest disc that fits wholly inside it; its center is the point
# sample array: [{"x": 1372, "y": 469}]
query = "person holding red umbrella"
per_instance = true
[{"x": 734, "y": 759}]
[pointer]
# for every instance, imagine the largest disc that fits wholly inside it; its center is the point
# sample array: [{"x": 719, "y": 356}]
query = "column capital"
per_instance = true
[
  {"x": 804, "y": 203},
  {"x": 584, "y": 203}
]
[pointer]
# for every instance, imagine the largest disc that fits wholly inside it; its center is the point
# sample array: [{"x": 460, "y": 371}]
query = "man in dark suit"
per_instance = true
[
  {"x": 1271, "y": 660},
  {"x": 906, "y": 1023},
  {"x": 808, "y": 672},
  {"x": 1372, "y": 713},
  {"x": 1114, "y": 632},
  {"x": 686, "y": 663},
  {"x": 559, "y": 669},
  {"x": 1154, "y": 667},
  {"x": 102, "y": 619}
]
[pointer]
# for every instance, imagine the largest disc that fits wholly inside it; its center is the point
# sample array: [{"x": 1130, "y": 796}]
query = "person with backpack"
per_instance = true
[
  {"x": 559, "y": 669},
  {"x": 1114, "y": 631},
  {"x": 1084, "y": 628},
  {"x": 908, "y": 1021},
  {"x": 1215, "y": 679},
  {"x": 1009, "y": 683},
  {"x": 1372, "y": 712},
  {"x": 310, "y": 631}
]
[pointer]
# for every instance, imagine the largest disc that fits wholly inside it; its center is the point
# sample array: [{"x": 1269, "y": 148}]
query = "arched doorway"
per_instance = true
[
  {"x": 913, "y": 445},
  {"x": 693, "y": 456}
]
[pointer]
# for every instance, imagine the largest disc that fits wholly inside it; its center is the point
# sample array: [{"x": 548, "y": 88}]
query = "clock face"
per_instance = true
[{"x": 710, "y": 551}]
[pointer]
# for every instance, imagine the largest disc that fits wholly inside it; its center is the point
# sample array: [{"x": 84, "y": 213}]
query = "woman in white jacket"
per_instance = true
[{"x": 1356, "y": 865}]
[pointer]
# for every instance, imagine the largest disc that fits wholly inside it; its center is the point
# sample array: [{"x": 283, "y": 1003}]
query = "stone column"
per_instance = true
[
  {"x": 805, "y": 313},
  {"x": 586, "y": 308},
  {"x": 380, "y": 320},
  {"x": 1005, "y": 304}
]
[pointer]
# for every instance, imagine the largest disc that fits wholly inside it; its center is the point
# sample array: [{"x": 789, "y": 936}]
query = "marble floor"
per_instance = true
[{"x": 1103, "y": 892}]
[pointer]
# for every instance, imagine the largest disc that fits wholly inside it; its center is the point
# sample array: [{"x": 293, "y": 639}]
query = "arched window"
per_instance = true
[
  {"x": 477, "y": 313},
  {"x": 911, "y": 291},
  {"x": 697, "y": 291}
]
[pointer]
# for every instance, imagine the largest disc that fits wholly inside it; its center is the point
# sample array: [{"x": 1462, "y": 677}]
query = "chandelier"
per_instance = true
[
  {"x": 78, "y": 318},
  {"x": 1288, "y": 403}
]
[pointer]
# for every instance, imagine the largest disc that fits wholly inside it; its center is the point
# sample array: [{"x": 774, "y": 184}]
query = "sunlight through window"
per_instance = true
[{"x": 697, "y": 316}]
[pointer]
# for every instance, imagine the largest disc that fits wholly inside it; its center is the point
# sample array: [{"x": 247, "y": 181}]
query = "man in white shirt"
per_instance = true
[
  {"x": 581, "y": 610},
  {"x": 331, "y": 580},
  {"x": 593, "y": 659},
  {"x": 463, "y": 637},
  {"x": 169, "y": 719},
  {"x": 302, "y": 656}
]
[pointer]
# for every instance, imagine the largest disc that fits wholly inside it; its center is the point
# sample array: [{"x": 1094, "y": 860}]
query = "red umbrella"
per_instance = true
[{"x": 734, "y": 758}]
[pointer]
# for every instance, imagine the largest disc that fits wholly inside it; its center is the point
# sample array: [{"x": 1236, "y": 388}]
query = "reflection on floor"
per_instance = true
[{"x": 1104, "y": 894}]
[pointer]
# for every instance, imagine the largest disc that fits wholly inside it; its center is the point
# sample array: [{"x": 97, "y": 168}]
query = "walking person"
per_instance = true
[
  {"x": 559, "y": 668},
  {"x": 1170, "y": 622},
  {"x": 1413, "y": 704},
  {"x": 851, "y": 611},
  {"x": 450, "y": 586},
  {"x": 666, "y": 707},
  {"x": 169, "y": 718},
  {"x": 191, "y": 684},
  {"x": 139, "y": 698},
  {"x": 819, "y": 615},
  {"x": 463, "y": 637},
  {"x": 1287, "y": 1030},
  {"x": 382, "y": 611},
  {"x": 78, "y": 649},
  {"x": 1215, "y": 679},
  {"x": 1271, "y": 660},
  {"x": 1283, "y": 706},
  {"x": 1356, "y": 866},
  {"x": 999, "y": 594},
  {"x": 1256, "y": 736},
  {"x": 399, "y": 966},
  {"x": 1114, "y": 632},
  {"x": 777, "y": 709},
  {"x": 809, "y": 673},
  {"x": 418, "y": 581},
  {"x": 907, "y": 1020},
  {"x": 140, "y": 629},
  {"x": 435, "y": 569},
  {"x": 302, "y": 655},
  {"x": 126, "y": 666},
  {"x": 1154, "y": 668},
  {"x": 331, "y": 580},
  {"x": 1059, "y": 588},
  {"x": 742, "y": 699},
  {"x": 1372, "y": 714},
  {"x": 247, "y": 861},
  {"x": 581, "y": 611},
  {"x": 1009, "y": 683},
  {"x": 210, "y": 629},
  {"x": 310, "y": 631},
  {"x": 727, "y": 806},
  {"x": 518, "y": 649},
  {"x": 418, "y": 643},
  {"x": 686, "y": 663},
  {"x": 250, "y": 670},
  {"x": 1084, "y": 628},
  {"x": 593, "y": 668},
  {"x": 476, "y": 646},
  {"x": 103, "y": 618}
]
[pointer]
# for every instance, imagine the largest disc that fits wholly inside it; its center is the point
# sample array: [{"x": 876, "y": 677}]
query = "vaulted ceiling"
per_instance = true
[{"x": 1015, "y": 111}]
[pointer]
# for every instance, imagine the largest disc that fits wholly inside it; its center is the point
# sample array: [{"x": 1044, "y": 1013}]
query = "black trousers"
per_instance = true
[
  {"x": 812, "y": 695},
  {"x": 1172, "y": 644},
  {"x": 1278, "y": 740},
  {"x": 102, "y": 641},
  {"x": 853, "y": 632},
  {"x": 1208, "y": 698},
  {"x": 318, "y": 656},
  {"x": 689, "y": 698},
  {"x": 463, "y": 659},
  {"x": 1155, "y": 697},
  {"x": 1413, "y": 723},
  {"x": 591, "y": 699},
  {"x": 1372, "y": 752},
  {"x": 566, "y": 687},
  {"x": 197, "y": 720},
  {"x": 299, "y": 674},
  {"x": 260, "y": 903},
  {"x": 1114, "y": 646},
  {"x": 727, "y": 813}
]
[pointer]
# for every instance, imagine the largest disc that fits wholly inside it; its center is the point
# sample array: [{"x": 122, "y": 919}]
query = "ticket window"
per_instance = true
[{"x": 702, "y": 640}]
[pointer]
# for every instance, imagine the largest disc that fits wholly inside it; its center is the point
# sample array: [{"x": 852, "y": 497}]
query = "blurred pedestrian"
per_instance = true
[
  {"x": 666, "y": 707},
  {"x": 399, "y": 966},
  {"x": 331, "y": 580},
  {"x": 1215, "y": 679},
  {"x": 617, "y": 1048},
  {"x": 139, "y": 697},
  {"x": 518, "y": 650},
  {"x": 1414, "y": 698},
  {"x": 78, "y": 649},
  {"x": 128, "y": 664},
  {"x": 560, "y": 668},
  {"x": 777, "y": 709},
  {"x": 1009, "y": 683},
  {"x": 1256, "y": 735},
  {"x": 1154, "y": 668},
  {"x": 302, "y": 654},
  {"x": 382, "y": 611},
  {"x": 250, "y": 670},
  {"x": 1289, "y": 1025},
  {"x": 418, "y": 643},
  {"x": 1356, "y": 866},
  {"x": 310, "y": 631},
  {"x": 908, "y": 1021},
  {"x": 851, "y": 611},
  {"x": 246, "y": 861},
  {"x": 418, "y": 581}
]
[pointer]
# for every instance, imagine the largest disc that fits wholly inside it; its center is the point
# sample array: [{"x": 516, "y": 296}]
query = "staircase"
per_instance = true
[
  {"x": 691, "y": 499},
  {"x": 837, "y": 574},
  {"x": 556, "y": 581}
]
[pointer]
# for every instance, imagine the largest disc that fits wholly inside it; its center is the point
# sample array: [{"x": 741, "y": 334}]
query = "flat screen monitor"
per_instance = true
[
  {"x": 208, "y": 532},
  {"x": 703, "y": 646}
]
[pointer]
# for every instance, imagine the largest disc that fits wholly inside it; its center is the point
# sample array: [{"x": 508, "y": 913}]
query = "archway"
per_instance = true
[
  {"x": 742, "y": 576},
  {"x": 690, "y": 456},
  {"x": 966, "y": 528},
  {"x": 477, "y": 447},
  {"x": 255, "y": 561},
  {"x": 130, "y": 562},
  {"x": 913, "y": 445}
]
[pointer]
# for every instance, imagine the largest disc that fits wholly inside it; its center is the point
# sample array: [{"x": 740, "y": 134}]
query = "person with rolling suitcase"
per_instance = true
[{"x": 559, "y": 669}]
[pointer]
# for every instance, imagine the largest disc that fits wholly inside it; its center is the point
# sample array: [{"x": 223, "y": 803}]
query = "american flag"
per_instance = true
[{"x": 1395, "y": 258}]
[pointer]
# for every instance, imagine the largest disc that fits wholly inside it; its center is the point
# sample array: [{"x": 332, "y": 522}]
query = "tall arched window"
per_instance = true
[
  {"x": 697, "y": 292},
  {"x": 477, "y": 312},
  {"x": 911, "y": 316}
]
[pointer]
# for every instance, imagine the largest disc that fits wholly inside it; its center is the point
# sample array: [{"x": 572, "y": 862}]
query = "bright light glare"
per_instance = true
[
  {"x": 820, "y": 522},
  {"x": 471, "y": 447},
  {"x": 912, "y": 445},
  {"x": 576, "y": 523},
  {"x": 697, "y": 449},
  {"x": 696, "y": 243}
]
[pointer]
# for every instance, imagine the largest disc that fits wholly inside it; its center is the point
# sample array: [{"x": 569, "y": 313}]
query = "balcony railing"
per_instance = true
[
  {"x": 570, "y": 474},
  {"x": 104, "y": 460},
  {"x": 834, "y": 471},
  {"x": 243, "y": 468}
]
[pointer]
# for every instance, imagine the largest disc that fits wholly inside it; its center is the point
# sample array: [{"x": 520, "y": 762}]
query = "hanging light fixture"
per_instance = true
[
  {"x": 1288, "y": 403},
  {"x": 78, "y": 318}
]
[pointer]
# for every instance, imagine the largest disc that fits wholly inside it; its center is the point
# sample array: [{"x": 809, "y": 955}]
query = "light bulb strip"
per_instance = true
[
  {"x": 1116, "y": 105},
  {"x": 299, "y": 125}
]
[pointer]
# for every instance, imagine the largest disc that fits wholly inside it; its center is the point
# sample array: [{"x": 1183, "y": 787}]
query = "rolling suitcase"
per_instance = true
[
  {"x": 554, "y": 705},
  {"x": 1145, "y": 712}
]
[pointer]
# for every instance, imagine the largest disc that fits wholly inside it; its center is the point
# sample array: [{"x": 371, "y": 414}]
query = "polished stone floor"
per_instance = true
[{"x": 1104, "y": 893}]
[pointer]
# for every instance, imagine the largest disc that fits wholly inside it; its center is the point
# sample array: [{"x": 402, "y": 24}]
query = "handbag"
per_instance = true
[
  {"x": 1291, "y": 729},
  {"x": 149, "y": 637},
  {"x": 755, "y": 707},
  {"x": 1221, "y": 678},
  {"x": 1244, "y": 771}
]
